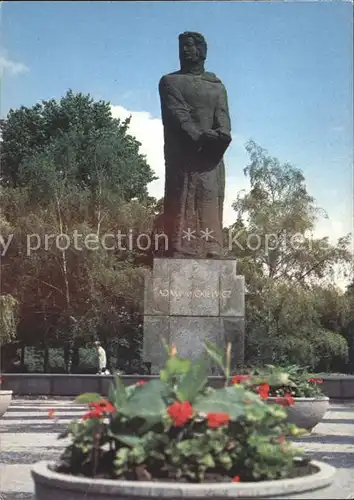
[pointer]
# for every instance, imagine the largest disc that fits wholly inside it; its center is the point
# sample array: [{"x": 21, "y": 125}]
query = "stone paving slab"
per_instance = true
[{"x": 27, "y": 435}]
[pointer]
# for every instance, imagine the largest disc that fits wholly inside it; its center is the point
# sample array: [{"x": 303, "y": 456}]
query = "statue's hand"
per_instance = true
[
  {"x": 225, "y": 137},
  {"x": 209, "y": 135}
]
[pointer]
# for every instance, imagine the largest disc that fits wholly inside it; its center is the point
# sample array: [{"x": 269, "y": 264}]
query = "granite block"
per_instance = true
[
  {"x": 190, "y": 333},
  {"x": 157, "y": 296},
  {"x": 194, "y": 288},
  {"x": 228, "y": 267},
  {"x": 190, "y": 301},
  {"x": 181, "y": 289},
  {"x": 205, "y": 279},
  {"x": 156, "y": 330},
  {"x": 232, "y": 295}
]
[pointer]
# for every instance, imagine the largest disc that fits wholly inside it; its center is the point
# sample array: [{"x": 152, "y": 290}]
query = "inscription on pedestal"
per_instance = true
[
  {"x": 190, "y": 301},
  {"x": 197, "y": 293}
]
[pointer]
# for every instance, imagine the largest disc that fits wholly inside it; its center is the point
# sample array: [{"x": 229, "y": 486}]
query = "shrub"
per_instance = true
[
  {"x": 321, "y": 350},
  {"x": 332, "y": 351}
]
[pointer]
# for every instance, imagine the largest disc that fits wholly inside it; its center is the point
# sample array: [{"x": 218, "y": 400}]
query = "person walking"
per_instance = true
[{"x": 102, "y": 359}]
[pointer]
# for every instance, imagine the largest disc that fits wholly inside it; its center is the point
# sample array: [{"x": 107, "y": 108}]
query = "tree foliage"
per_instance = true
[
  {"x": 75, "y": 141},
  {"x": 8, "y": 318},
  {"x": 72, "y": 180},
  {"x": 295, "y": 313},
  {"x": 275, "y": 221}
]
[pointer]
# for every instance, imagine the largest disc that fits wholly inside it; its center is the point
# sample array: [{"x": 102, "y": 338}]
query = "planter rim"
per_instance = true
[
  {"x": 5, "y": 393},
  {"x": 319, "y": 398},
  {"x": 323, "y": 477}
]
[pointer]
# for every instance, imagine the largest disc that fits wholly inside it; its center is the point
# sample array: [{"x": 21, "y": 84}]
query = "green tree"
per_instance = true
[
  {"x": 8, "y": 318},
  {"x": 276, "y": 219},
  {"x": 71, "y": 295},
  {"x": 69, "y": 167},
  {"x": 291, "y": 309},
  {"x": 79, "y": 140}
]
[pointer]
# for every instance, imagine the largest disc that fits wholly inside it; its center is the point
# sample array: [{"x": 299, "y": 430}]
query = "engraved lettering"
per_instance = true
[{"x": 197, "y": 293}]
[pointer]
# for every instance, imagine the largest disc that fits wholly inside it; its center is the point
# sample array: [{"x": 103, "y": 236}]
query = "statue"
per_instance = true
[{"x": 197, "y": 132}]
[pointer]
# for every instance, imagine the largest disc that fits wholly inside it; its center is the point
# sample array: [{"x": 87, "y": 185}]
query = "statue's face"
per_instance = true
[{"x": 189, "y": 50}]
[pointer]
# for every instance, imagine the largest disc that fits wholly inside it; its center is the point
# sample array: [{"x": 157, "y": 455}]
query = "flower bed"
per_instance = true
[{"x": 176, "y": 428}]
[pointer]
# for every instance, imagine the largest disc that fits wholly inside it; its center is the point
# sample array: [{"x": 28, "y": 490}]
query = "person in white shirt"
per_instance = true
[{"x": 102, "y": 359}]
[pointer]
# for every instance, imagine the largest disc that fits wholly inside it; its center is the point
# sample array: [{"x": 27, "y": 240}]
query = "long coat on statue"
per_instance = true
[{"x": 195, "y": 172}]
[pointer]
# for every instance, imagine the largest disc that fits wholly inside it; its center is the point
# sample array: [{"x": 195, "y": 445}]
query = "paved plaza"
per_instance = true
[{"x": 27, "y": 435}]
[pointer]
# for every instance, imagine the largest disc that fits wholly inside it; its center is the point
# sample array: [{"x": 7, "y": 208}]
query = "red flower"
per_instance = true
[
  {"x": 180, "y": 412},
  {"x": 315, "y": 380},
  {"x": 105, "y": 406},
  {"x": 287, "y": 400},
  {"x": 95, "y": 413},
  {"x": 236, "y": 479},
  {"x": 238, "y": 379},
  {"x": 217, "y": 419},
  {"x": 141, "y": 382},
  {"x": 263, "y": 390},
  {"x": 98, "y": 409},
  {"x": 282, "y": 439}
]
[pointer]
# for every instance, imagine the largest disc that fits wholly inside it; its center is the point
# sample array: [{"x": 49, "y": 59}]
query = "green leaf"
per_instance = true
[
  {"x": 193, "y": 381},
  {"x": 186, "y": 447},
  {"x": 121, "y": 457},
  {"x": 278, "y": 379},
  {"x": 208, "y": 461},
  {"x": 227, "y": 400},
  {"x": 216, "y": 354},
  {"x": 127, "y": 439},
  {"x": 157, "y": 455},
  {"x": 88, "y": 397},
  {"x": 177, "y": 366},
  {"x": 166, "y": 346},
  {"x": 164, "y": 376},
  {"x": 148, "y": 403},
  {"x": 225, "y": 460},
  {"x": 117, "y": 393}
]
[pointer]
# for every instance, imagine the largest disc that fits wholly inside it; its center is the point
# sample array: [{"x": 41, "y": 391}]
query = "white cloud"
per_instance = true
[
  {"x": 11, "y": 67},
  {"x": 149, "y": 131}
]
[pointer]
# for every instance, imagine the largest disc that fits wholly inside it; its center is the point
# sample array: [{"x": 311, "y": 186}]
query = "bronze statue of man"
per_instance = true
[{"x": 197, "y": 132}]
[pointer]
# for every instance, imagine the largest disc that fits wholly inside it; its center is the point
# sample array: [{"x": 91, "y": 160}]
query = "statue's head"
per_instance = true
[{"x": 192, "y": 47}]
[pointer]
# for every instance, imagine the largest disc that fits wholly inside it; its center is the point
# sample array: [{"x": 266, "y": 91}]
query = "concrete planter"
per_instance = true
[
  {"x": 306, "y": 413},
  {"x": 49, "y": 484},
  {"x": 5, "y": 400}
]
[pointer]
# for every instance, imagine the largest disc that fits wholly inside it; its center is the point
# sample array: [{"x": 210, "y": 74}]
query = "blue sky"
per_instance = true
[{"x": 287, "y": 68}]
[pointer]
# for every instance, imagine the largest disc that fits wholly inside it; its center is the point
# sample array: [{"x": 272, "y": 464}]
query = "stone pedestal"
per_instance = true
[{"x": 188, "y": 301}]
